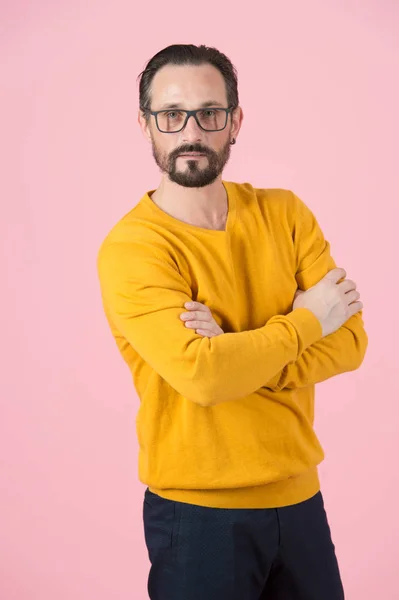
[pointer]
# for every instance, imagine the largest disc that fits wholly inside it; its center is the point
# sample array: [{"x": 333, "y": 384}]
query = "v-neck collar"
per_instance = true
[{"x": 231, "y": 215}]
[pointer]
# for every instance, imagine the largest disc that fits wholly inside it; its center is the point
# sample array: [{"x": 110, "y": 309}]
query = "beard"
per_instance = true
[{"x": 191, "y": 174}]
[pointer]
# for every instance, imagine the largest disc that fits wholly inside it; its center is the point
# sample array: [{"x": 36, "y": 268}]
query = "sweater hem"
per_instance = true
[{"x": 272, "y": 495}]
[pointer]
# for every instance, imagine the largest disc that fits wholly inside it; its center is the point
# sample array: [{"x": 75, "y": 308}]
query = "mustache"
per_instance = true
[{"x": 192, "y": 148}]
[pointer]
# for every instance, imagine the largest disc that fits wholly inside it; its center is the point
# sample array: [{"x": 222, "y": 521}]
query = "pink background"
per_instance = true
[{"x": 318, "y": 83}]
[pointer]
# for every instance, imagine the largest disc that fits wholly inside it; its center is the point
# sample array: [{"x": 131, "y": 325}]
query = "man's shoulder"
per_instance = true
[
  {"x": 135, "y": 226},
  {"x": 134, "y": 238},
  {"x": 269, "y": 194}
]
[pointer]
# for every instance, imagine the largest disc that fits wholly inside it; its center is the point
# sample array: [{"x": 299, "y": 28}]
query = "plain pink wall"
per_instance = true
[{"x": 318, "y": 84}]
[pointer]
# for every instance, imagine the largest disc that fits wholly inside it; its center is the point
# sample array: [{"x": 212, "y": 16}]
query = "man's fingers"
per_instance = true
[
  {"x": 198, "y": 311},
  {"x": 199, "y": 324},
  {"x": 201, "y": 319},
  {"x": 197, "y": 314},
  {"x": 348, "y": 285},
  {"x": 196, "y": 306}
]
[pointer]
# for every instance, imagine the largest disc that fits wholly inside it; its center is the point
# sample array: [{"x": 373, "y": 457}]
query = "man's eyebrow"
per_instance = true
[{"x": 179, "y": 105}]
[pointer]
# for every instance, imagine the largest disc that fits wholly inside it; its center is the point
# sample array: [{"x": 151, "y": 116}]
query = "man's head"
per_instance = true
[{"x": 188, "y": 77}]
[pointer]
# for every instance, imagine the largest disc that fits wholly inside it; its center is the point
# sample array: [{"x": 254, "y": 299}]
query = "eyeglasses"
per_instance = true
[{"x": 173, "y": 121}]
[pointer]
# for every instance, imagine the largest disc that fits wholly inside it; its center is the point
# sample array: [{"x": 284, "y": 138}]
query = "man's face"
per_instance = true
[{"x": 189, "y": 87}]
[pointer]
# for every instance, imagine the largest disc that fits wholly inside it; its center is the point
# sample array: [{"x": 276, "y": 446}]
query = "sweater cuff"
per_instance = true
[{"x": 308, "y": 327}]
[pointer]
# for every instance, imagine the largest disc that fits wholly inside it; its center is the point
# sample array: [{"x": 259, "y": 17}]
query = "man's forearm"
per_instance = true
[{"x": 340, "y": 352}]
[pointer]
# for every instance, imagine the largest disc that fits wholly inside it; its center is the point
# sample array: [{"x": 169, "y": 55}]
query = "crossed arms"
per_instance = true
[{"x": 144, "y": 294}]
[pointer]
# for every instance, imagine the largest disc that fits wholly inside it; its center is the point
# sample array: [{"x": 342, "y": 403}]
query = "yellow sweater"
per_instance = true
[{"x": 225, "y": 421}]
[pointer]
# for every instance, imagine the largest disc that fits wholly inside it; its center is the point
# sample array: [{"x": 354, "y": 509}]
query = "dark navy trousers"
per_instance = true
[{"x": 201, "y": 553}]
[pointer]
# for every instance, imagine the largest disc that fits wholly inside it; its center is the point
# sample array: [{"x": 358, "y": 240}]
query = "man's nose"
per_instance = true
[{"x": 192, "y": 131}]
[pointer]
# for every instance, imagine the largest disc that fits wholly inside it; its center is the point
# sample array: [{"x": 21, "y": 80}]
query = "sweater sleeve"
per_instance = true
[
  {"x": 143, "y": 294},
  {"x": 339, "y": 352}
]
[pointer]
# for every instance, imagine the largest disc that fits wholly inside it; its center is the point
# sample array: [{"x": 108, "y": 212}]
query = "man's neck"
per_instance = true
[{"x": 205, "y": 207}]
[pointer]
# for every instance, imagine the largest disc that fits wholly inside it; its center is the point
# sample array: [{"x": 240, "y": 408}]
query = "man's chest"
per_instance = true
[{"x": 244, "y": 281}]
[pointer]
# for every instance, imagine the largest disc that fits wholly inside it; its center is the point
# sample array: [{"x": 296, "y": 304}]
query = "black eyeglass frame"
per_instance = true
[{"x": 189, "y": 113}]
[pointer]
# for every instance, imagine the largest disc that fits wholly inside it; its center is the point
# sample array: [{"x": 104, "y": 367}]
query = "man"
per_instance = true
[{"x": 233, "y": 508}]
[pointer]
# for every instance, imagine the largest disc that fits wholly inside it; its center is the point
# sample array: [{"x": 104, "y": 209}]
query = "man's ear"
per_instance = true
[{"x": 238, "y": 116}]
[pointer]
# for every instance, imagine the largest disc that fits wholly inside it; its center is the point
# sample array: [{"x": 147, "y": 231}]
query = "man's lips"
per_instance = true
[{"x": 192, "y": 154}]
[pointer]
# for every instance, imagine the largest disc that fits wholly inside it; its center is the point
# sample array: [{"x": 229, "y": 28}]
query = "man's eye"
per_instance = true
[{"x": 172, "y": 114}]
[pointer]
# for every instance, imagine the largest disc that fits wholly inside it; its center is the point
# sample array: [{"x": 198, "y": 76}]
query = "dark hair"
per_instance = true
[{"x": 188, "y": 54}]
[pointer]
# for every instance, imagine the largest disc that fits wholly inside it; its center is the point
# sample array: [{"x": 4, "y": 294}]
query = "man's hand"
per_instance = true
[
  {"x": 331, "y": 302},
  {"x": 200, "y": 318}
]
